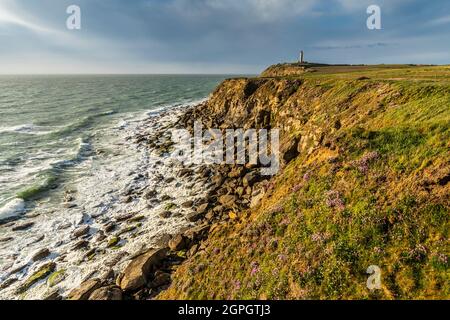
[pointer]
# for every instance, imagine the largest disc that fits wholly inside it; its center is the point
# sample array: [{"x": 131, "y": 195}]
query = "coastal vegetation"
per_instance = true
[
  {"x": 368, "y": 186},
  {"x": 363, "y": 185}
]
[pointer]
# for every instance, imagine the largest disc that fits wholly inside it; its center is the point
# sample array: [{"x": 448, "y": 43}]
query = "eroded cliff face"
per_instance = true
[
  {"x": 368, "y": 185},
  {"x": 286, "y": 69},
  {"x": 308, "y": 110}
]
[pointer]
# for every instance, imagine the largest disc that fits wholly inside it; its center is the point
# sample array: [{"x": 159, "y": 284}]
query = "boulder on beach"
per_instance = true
[
  {"x": 42, "y": 273},
  {"x": 23, "y": 227},
  {"x": 137, "y": 273},
  {"x": 84, "y": 291},
  {"x": 110, "y": 293},
  {"x": 41, "y": 254},
  {"x": 81, "y": 231},
  {"x": 179, "y": 242}
]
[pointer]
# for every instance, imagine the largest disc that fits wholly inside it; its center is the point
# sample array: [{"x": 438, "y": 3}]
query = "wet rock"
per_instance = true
[
  {"x": 80, "y": 245},
  {"x": 40, "y": 254},
  {"x": 109, "y": 227},
  {"x": 113, "y": 242},
  {"x": 100, "y": 236},
  {"x": 32, "y": 216},
  {"x": 185, "y": 173},
  {"x": 187, "y": 204},
  {"x": 84, "y": 291},
  {"x": 162, "y": 240},
  {"x": 7, "y": 283},
  {"x": 81, "y": 231},
  {"x": 170, "y": 180},
  {"x": 64, "y": 226},
  {"x": 69, "y": 198},
  {"x": 170, "y": 206},
  {"x": 83, "y": 218},
  {"x": 165, "y": 214},
  {"x": 150, "y": 194},
  {"x": 124, "y": 217},
  {"x": 61, "y": 258},
  {"x": 7, "y": 239},
  {"x": 7, "y": 225},
  {"x": 56, "y": 277},
  {"x": 90, "y": 254},
  {"x": 96, "y": 215},
  {"x": 137, "y": 273},
  {"x": 22, "y": 227},
  {"x": 18, "y": 269},
  {"x": 42, "y": 273},
  {"x": 166, "y": 198},
  {"x": 116, "y": 259},
  {"x": 127, "y": 199},
  {"x": 193, "y": 217},
  {"x": 37, "y": 239},
  {"x": 127, "y": 230},
  {"x": 177, "y": 243},
  {"x": 53, "y": 295},
  {"x": 136, "y": 219},
  {"x": 108, "y": 275},
  {"x": 111, "y": 293}
]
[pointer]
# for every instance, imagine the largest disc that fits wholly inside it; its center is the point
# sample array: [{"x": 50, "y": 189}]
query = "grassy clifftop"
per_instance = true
[{"x": 368, "y": 185}]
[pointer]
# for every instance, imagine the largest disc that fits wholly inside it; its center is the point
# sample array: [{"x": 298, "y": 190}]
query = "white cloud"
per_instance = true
[
  {"x": 361, "y": 5},
  {"x": 440, "y": 21},
  {"x": 7, "y": 16},
  {"x": 270, "y": 9},
  {"x": 257, "y": 10},
  {"x": 354, "y": 4}
]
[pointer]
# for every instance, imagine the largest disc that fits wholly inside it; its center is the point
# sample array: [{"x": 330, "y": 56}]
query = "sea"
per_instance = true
[{"x": 58, "y": 133}]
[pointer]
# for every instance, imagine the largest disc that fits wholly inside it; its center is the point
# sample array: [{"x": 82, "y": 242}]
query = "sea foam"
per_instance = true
[{"x": 12, "y": 209}]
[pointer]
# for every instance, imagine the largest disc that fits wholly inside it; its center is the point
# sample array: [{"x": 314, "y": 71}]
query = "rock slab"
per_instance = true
[{"x": 136, "y": 274}]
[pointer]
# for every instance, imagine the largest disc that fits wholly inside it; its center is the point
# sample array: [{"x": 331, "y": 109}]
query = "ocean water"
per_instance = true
[{"x": 49, "y": 125}]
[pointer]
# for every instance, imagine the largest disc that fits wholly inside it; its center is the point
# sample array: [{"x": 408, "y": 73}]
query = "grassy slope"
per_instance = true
[{"x": 373, "y": 192}]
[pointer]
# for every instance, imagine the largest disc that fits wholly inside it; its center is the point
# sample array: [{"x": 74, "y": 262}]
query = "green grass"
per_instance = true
[{"x": 381, "y": 201}]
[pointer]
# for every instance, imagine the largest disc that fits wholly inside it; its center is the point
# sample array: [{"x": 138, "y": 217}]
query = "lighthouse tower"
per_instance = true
[{"x": 302, "y": 56}]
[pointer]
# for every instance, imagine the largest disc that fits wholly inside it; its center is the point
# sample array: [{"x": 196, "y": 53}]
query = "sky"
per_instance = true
[{"x": 216, "y": 36}]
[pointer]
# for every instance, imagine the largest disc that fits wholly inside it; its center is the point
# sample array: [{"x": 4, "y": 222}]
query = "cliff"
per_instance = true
[
  {"x": 364, "y": 182},
  {"x": 286, "y": 69}
]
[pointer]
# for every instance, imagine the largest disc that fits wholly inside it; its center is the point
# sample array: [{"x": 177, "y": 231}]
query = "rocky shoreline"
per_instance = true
[
  {"x": 230, "y": 190},
  {"x": 214, "y": 196},
  {"x": 223, "y": 231},
  {"x": 160, "y": 203}
]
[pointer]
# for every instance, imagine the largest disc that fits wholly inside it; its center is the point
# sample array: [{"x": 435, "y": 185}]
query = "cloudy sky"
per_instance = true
[{"x": 216, "y": 36}]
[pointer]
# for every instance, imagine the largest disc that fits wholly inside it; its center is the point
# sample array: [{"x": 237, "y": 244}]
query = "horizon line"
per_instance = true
[{"x": 127, "y": 74}]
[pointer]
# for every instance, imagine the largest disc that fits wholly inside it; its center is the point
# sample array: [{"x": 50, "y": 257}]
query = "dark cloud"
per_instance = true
[{"x": 217, "y": 35}]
